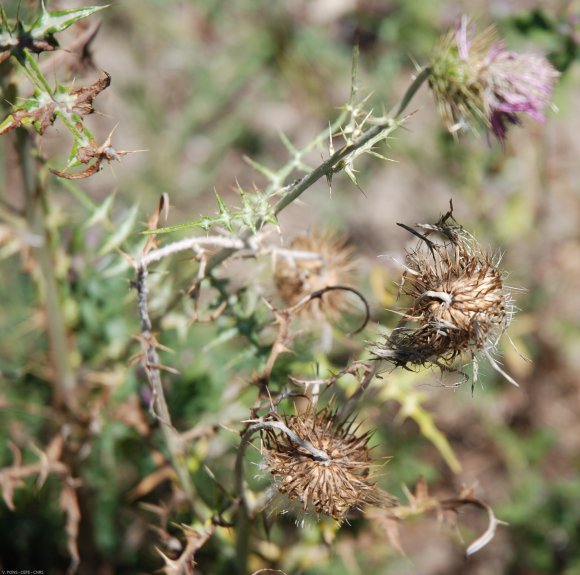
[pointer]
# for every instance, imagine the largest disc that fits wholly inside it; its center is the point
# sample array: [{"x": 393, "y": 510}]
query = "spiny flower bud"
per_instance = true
[
  {"x": 314, "y": 262},
  {"x": 332, "y": 476},
  {"x": 474, "y": 77},
  {"x": 459, "y": 305}
]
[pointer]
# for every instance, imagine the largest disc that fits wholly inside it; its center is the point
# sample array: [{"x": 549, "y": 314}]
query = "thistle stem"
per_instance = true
[
  {"x": 401, "y": 106},
  {"x": 151, "y": 363},
  {"x": 333, "y": 164}
]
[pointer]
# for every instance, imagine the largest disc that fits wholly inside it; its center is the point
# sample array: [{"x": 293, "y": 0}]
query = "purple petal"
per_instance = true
[
  {"x": 463, "y": 43},
  {"x": 500, "y": 121}
]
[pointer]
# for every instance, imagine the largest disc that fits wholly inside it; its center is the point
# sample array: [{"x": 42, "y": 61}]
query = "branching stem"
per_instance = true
[
  {"x": 333, "y": 164},
  {"x": 151, "y": 364}
]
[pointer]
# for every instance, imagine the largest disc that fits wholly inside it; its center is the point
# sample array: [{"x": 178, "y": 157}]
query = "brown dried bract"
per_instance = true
[
  {"x": 332, "y": 486},
  {"x": 314, "y": 262},
  {"x": 459, "y": 303}
]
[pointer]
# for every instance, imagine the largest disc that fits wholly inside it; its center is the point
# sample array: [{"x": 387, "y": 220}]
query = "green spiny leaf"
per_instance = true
[
  {"x": 101, "y": 214},
  {"x": 225, "y": 336},
  {"x": 348, "y": 170},
  {"x": 265, "y": 211},
  {"x": 221, "y": 204},
  {"x": 72, "y": 157},
  {"x": 122, "y": 233},
  {"x": 266, "y": 172},
  {"x": 81, "y": 134},
  {"x": 52, "y": 22},
  {"x": 255, "y": 208},
  {"x": 401, "y": 390},
  {"x": 248, "y": 216},
  {"x": 429, "y": 430},
  {"x": 288, "y": 145},
  {"x": 35, "y": 74},
  {"x": 271, "y": 218},
  {"x": 380, "y": 156},
  {"x": 205, "y": 223},
  {"x": 224, "y": 214},
  {"x": 4, "y": 26}
]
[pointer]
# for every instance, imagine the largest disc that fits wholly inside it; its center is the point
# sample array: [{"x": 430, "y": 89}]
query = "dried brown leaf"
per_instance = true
[
  {"x": 185, "y": 563},
  {"x": 421, "y": 503},
  {"x": 77, "y": 175},
  {"x": 391, "y": 525},
  {"x": 8, "y": 485},
  {"x": 493, "y": 522},
  {"x": 162, "y": 212},
  {"x": 97, "y": 155},
  {"x": 43, "y": 117},
  {"x": 131, "y": 414},
  {"x": 149, "y": 483},
  {"x": 48, "y": 457},
  {"x": 84, "y": 96},
  {"x": 70, "y": 505}
]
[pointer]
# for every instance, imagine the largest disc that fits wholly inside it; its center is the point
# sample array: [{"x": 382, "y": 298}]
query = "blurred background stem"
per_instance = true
[{"x": 37, "y": 207}]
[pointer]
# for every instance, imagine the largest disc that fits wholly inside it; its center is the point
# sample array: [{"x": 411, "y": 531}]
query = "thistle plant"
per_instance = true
[
  {"x": 68, "y": 103},
  {"x": 333, "y": 481},
  {"x": 311, "y": 453},
  {"x": 476, "y": 79},
  {"x": 313, "y": 262},
  {"x": 459, "y": 303}
]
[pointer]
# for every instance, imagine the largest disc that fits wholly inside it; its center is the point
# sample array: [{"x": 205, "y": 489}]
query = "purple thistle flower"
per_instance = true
[
  {"x": 461, "y": 38},
  {"x": 475, "y": 76},
  {"x": 517, "y": 83}
]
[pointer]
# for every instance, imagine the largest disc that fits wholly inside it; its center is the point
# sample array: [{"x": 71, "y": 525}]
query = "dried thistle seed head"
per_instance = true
[
  {"x": 332, "y": 485},
  {"x": 474, "y": 77},
  {"x": 314, "y": 262},
  {"x": 459, "y": 305}
]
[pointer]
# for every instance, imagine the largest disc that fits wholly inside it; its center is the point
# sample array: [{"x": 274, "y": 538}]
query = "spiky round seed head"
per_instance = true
[
  {"x": 474, "y": 77},
  {"x": 314, "y": 262},
  {"x": 331, "y": 487},
  {"x": 459, "y": 305}
]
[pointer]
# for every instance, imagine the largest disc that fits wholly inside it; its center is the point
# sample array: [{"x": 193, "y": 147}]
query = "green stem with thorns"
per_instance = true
[{"x": 334, "y": 163}]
